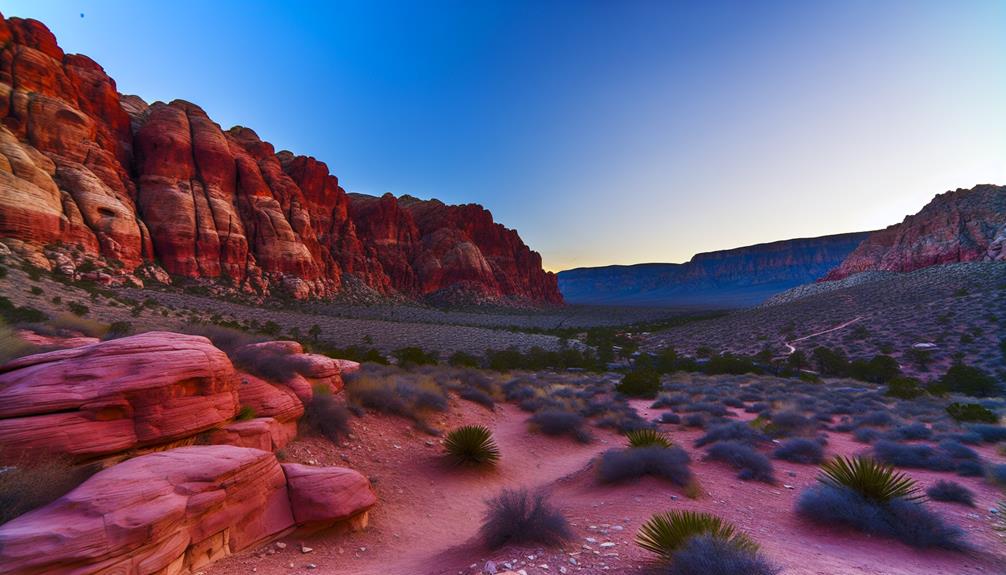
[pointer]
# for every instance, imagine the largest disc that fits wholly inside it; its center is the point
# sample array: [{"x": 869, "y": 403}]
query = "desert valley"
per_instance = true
[{"x": 215, "y": 360}]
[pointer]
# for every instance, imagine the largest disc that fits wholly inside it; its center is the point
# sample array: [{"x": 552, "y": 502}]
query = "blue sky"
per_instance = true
[{"x": 605, "y": 132}]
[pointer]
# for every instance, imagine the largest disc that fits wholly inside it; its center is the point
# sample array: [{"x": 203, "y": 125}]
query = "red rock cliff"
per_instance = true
[
  {"x": 81, "y": 164},
  {"x": 958, "y": 226}
]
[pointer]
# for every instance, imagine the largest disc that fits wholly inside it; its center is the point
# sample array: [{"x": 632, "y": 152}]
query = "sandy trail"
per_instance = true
[
  {"x": 428, "y": 516},
  {"x": 791, "y": 349}
]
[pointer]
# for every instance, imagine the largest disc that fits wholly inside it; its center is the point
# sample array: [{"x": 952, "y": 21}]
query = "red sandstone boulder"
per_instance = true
[
  {"x": 95, "y": 400},
  {"x": 265, "y": 433},
  {"x": 322, "y": 495},
  {"x": 176, "y": 511}
]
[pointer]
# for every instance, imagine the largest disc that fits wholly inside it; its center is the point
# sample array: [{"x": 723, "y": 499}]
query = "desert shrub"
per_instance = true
[
  {"x": 910, "y": 432},
  {"x": 714, "y": 409},
  {"x": 32, "y": 483},
  {"x": 830, "y": 362},
  {"x": 988, "y": 432},
  {"x": 413, "y": 356},
  {"x": 228, "y": 340},
  {"x": 640, "y": 383},
  {"x": 119, "y": 329},
  {"x": 695, "y": 420},
  {"x": 903, "y": 519},
  {"x": 324, "y": 415},
  {"x": 15, "y": 314},
  {"x": 553, "y": 422},
  {"x": 472, "y": 445},
  {"x": 519, "y": 517},
  {"x": 462, "y": 359},
  {"x": 78, "y": 309},
  {"x": 971, "y": 412},
  {"x": 647, "y": 438},
  {"x": 970, "y": 468},
  {"x": 868, "y": 478},
  {"x": 267, "y": 363},
  {"x": 880, "y": 369},
  {"x": 733, "y": 402},
  {"x": 787, "y": 423},
  {"x": 912, "y": 456},
  {"x": 997, "y": 474},
  {"x": 477, "y": 395},
  {"x": 749, "y": 463},
  {"x": 957, "y": 450},
  {"x": 620, "y": 465},
  {"x": 707, "y": 555},
  {"x": 732, "y": 431},
  {"x": 799, "y": 450},
  {"x": 904, "y": 388},
  {"x": 730, "y": 364},
  {"x": 874, "y": 419},
  {"x": 757, "y": 407},
  {"x": 866, "y": 435},
  {"x": 968, "y": 380},
  {"x": 667, "y": 533},
  {"x": 12, "y": 346},
  {"x": 396, "y": 392},
  {"x": 951, "y": 492},
  {"x": 669, "y": 417}
]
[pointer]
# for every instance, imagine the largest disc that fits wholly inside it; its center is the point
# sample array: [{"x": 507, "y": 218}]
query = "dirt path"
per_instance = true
[{"x": 791, "y": 349}]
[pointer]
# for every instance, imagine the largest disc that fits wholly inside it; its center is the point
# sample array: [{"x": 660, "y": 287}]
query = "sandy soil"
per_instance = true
[{"x": 429, "y": 513}]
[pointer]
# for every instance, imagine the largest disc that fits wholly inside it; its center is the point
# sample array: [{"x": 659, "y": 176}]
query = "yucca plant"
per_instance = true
[
  {"x": 666, "y": 533},
  {"x": 647, "y": 438},
  {"x": 472, "y": 445},
  {"x": 871, "y": 479}
]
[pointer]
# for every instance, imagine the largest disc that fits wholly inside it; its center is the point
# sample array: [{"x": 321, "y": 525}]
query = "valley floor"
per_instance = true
[{"x": 428, "y": 515}]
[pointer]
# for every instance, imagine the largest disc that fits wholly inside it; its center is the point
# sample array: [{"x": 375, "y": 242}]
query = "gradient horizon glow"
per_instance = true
[{"x": 604, "y": 132}]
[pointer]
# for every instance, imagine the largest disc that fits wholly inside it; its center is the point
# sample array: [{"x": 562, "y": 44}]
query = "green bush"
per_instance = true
[
  {"x": 904, "y": 388},
  {"x": 730, "y": 365},
  {"x": 410, "y": 356},
  {"x": 35, "y": 290},
  {"x": 666, "y": 533},
  {"x": 643, "y": 384},
  {"x": 462, "y": 359},
  {"x": 871, "y": 479},
  {"x": 472, "y": 445},
  {"x": 968, "y": 380},
  {"x": 880, "y": 369},
  {"x": 119, "y": 329},
  {"x": 971, "y": 412},
  {"x": 15, "y": 314},
  {"x": 78, "y": 309},
  {"x": 828, "y": 362}
]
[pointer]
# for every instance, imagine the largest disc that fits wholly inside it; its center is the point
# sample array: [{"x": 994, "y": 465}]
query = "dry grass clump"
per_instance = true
[{"x": 517, "y": 517}]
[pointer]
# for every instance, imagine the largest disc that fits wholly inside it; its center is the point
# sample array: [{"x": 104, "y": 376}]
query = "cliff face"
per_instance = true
[
  {"x": 958, "y": 226},
  {"x": 728, "y": 278},
  {"x": 163, "y": 186}
]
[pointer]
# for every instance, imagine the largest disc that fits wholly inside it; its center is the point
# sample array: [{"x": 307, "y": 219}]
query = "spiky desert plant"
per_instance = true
[
  {"x": 871, "y": 479},
  {"x": 472, "y": 445},
  {"x": 647, "y": 438},
  {"x": 666, "y": 533}
]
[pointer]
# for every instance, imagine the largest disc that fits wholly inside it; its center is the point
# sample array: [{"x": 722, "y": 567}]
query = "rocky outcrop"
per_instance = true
[
  {"x": 173, "y": 512},
  {"x": 958, "y": 226},
  {"x": 109, "y": 397},
  {"x": 728, "y": 278},
  {"x": 163, "y": 186}
]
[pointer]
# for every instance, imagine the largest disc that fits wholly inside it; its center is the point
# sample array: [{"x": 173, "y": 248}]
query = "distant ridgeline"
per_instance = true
[
  {"x": 964, "y": 225},
  {"x": 739, "y": 277}
]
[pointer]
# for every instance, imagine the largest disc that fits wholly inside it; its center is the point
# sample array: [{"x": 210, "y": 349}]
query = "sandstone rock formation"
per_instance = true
[
  {"x": 113, "y": 396},
  {"x": 958, "y": 226},
  {"x": 103, "y": 399},
  {"x": 163, "y": 186},
  {"x": 737, "y": 277},
  {"x": 176, "y": 511}
]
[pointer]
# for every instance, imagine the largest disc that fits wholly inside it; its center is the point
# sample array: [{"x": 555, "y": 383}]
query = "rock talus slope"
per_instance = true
[{"x": 164, "y": 185}]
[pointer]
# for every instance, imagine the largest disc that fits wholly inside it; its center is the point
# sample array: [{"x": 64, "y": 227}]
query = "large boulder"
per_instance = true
[
  {"x": 145, "y": 390},
  {"x": 174, "y": 512}
]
